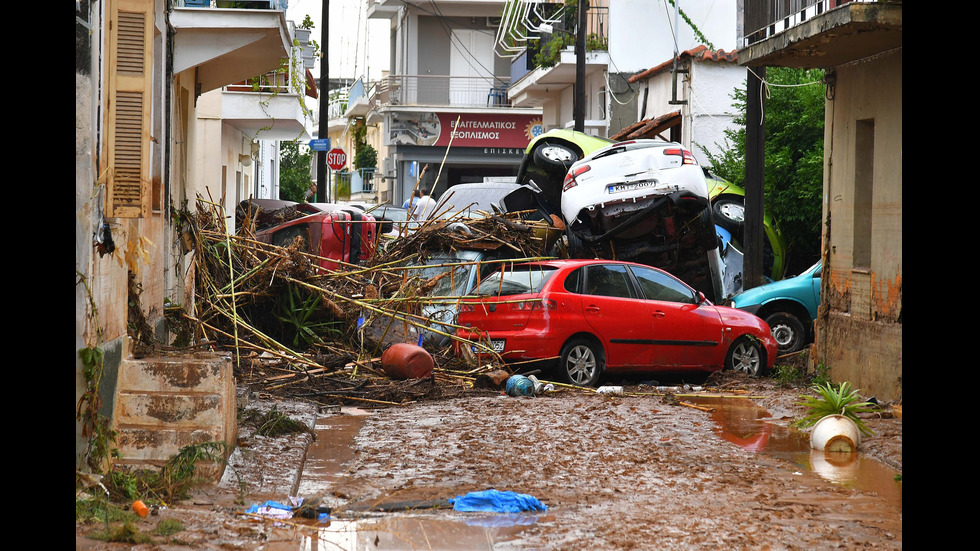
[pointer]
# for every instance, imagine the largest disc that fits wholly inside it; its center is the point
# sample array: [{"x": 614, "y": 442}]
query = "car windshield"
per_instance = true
[
  {"x": 515, "y": 280},
  {"x": 453, "y": 276}
]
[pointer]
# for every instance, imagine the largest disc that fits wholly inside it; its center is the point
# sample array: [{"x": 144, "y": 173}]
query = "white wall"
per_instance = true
[{"x": 640, "y": 34}]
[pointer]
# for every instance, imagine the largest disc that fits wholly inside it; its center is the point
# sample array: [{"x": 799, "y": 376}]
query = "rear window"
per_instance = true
[{"x": 515, "y": 280}]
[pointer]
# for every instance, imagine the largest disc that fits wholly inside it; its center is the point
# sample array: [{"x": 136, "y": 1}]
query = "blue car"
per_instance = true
[{"x": 789, "y": 307}]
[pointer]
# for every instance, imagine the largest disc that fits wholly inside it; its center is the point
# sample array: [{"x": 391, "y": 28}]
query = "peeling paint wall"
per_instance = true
[{"x": 860, "y": 325}]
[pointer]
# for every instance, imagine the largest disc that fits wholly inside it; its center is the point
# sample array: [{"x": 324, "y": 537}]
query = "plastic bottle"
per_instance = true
[{"x": 141, "y": 509}]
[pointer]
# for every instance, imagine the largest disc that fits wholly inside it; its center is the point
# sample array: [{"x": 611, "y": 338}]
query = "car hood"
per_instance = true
[{"x": 769, "y": 291}]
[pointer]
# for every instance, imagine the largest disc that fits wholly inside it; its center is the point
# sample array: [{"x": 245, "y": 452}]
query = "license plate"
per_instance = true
[
  {"x": 619, "y": 188},
  {"x": 498, "y": 344}
]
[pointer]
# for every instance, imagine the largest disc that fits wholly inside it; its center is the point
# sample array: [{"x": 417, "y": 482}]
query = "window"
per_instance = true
[
  {"x": 609, "y": 281},
  {"x": 864, "y": 158},
  {"x": 128, "y": 84},
  {"x": 515, "y": 280},
  {"x": 660, "y": 286}
]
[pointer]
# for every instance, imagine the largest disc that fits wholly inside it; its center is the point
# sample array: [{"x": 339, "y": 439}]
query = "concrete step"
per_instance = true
[{"x": 165, "y": 403}]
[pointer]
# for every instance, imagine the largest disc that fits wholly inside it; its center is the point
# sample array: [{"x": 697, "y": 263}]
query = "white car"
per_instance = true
[{"x": 644, "y": 201}]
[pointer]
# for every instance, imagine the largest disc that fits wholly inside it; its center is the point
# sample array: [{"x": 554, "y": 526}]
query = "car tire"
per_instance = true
[
  {"x": 581, "y": 362},
  {"x": 746, "y": 355},
  {"x": 576, "y": 247},
  {"x": 788, "y": 331},
  {"x": 554, "y": 158},
  {"x": 730, "y": 214}
]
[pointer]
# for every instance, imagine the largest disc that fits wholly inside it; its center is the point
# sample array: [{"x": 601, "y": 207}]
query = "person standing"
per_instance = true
[
  {"x": 410, "y": 202},
  {"x": 424, "y": 207}
]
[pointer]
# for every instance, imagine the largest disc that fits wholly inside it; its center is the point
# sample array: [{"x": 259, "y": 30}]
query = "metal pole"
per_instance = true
[
  {"x": 755, "y": 165},
  {"x": 322, "y": 184},
  {"x": 579, "y": 106}
]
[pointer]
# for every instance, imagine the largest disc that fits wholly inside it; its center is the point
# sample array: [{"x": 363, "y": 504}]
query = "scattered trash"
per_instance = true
[
  {"x": 835, "y": 433},
  {"x": 610, "y": 390},
  {"x": 406, "y": 361},
  {"x": 141, "y": 509},
  {"x": 519, "y": 385},
  {"x": 496, "y": 501},
  {"x": 276, "y": 510}
]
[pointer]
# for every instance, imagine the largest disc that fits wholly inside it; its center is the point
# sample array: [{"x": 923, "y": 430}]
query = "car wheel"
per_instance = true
[
  {"x": 554, "y": 157},
  {"x": 730, "y": 214},
  {"x": 746, "y": 356},
  {"x": 788, "y": 331},
  {"x": 581, "y": 362}
]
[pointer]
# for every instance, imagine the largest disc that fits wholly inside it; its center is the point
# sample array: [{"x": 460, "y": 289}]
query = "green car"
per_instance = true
[{"x": 548, "y": 157}]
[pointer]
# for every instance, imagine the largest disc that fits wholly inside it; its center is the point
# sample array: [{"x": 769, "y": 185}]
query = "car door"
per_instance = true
[
  {"x": 609, "y": 302},
  {"x": 684, "y": 333}
]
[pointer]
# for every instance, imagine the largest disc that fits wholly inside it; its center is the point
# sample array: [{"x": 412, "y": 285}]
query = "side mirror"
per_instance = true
[{"x": 700, "y": 298}]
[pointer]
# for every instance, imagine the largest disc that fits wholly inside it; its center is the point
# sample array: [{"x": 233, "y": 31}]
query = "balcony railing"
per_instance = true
[
  {"x": 443, "y": 90},
  {"x": 242, "y": 5},
  {"x": 276, "y": 82},
  {"x": 766, "y": 18}
]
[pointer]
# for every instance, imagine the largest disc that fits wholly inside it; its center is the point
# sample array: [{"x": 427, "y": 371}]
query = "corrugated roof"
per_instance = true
[{"x": 700, "y": 53}]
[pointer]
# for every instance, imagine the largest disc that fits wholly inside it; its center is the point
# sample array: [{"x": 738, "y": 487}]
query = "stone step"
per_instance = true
[{"x": 163, "y": 404}]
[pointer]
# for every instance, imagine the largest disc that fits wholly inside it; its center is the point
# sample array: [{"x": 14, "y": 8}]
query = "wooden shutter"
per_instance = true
[{"x": 129, "y": 71}]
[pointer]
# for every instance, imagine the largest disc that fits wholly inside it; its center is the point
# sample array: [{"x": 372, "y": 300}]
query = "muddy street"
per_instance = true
[{"x": 640, "y": 471}]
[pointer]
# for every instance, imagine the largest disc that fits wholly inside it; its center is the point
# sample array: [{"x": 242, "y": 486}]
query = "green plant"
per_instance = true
[
  {"x": 169, "y": 527},
  {"x": 787, "y": 375},
  {"x": 124, "y": 533},
  {"x": 274, "y": 423},
  {"x": 821, "y": 374},
  {"x": 300, "y": 315},
  {"x": 833, "y": 401}
]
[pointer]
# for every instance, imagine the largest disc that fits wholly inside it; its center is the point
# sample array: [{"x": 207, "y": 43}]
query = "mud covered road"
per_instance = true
[{"x": 632, "y": 472}]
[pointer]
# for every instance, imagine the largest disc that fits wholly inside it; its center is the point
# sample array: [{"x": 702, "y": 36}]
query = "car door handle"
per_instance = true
[
  {"x": 592, "y": 309},
  {"x": 659, "y": 314}
]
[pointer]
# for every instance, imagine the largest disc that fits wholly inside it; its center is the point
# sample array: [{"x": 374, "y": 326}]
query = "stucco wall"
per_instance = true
[{"x": 862, "y": 326}]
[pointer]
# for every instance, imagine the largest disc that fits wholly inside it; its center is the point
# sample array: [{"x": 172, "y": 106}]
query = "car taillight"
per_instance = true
[
  {"x": 683, "y": 153},
  {"x": 540, "y": 304},
  {"x": 572, "y": 174},
  {"x": 464, "y": 307}
]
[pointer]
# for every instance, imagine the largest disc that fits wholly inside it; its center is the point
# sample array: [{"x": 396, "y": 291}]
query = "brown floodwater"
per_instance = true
[
  {"x": 749, "y": 426},
  {"x": 736, "y": 420}
]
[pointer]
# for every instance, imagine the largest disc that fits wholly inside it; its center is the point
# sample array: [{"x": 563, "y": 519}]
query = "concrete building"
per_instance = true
[
  {"x": 143, "y": 132},
  {"x": 444, "y": 76},
  {"x": 626, "y": 37},
  {"x": 859, "y": 45},
  {"x": 690, "y": 103}
]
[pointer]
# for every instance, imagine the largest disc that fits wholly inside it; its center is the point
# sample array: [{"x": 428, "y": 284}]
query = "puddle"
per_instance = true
[
  {"x": 325, "y": 465},
  {"x": 747, "y": 425},
  {"x": 418, "y": 532},
  {"x": 333, "y": 447}
]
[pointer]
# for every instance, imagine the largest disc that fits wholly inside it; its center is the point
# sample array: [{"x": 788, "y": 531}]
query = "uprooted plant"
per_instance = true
[
  {"x": 841, "y": 400},
  {"x": 172, "y": 481}
]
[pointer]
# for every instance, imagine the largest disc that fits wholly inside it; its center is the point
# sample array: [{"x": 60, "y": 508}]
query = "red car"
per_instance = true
[
  {"x": 598, "y": 315},
  {"x": 334, "y": 232}
]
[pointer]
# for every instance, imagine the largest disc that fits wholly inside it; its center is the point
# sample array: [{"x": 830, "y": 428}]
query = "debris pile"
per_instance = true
[{"x": 294, "y": 327}]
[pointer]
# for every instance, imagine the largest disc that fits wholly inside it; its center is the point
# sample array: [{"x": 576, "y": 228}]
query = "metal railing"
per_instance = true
[
  {"x": 766, "y": 18},
  {"x": 274, "y": 82},
  {"x": 443, "y": 90}
]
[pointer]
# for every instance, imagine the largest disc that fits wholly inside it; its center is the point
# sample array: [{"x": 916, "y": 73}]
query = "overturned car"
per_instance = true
[{"x": 644, "y": 201}]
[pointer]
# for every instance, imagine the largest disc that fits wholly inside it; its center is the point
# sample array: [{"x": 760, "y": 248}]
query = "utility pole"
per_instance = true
[
  {"x": 755, "y": 172},
  {"x": 324, "y": 130},
  {"x": 579, "y": 105}
]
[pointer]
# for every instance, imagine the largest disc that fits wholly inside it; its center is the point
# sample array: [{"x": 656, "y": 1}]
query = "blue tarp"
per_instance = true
[{"x": 495, "y": 501}]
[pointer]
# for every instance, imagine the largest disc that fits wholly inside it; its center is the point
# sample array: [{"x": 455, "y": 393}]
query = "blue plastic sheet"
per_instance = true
[{"x": 495, "y": 501}]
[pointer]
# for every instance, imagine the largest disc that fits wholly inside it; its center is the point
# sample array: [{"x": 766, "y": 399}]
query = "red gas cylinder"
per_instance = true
[{"x": 406, "y": 361}]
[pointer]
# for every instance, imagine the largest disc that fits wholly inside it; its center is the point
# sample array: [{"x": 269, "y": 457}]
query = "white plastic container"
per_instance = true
[
  {"x": 610, "y": 390},
  {"x": 835, "y": 433}
]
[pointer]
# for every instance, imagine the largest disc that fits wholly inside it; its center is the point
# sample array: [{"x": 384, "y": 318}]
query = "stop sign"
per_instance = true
[{"x": 336, "y": 158}]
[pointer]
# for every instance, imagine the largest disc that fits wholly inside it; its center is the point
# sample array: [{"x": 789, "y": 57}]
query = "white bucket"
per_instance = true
[{"x": 835, "y": 433}]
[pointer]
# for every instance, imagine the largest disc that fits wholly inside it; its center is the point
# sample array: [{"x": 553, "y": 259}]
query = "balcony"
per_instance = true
[
  {"x": 818, "y": 33},
  {"x": 226, "y": 45},
  {"x": 452, "y": 91},
  {"x": 268, "y": 106}
]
